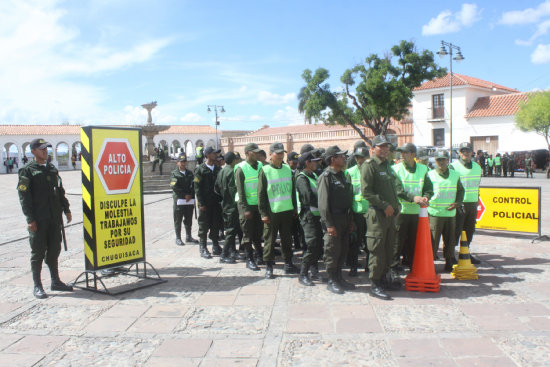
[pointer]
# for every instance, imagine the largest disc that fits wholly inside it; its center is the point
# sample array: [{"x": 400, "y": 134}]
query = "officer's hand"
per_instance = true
[
  {"x": 265, "y": 220},
  {"x": 203, "y": 208},
  {"x": 188, "y": 197},
  {"x": 452, "y": 206},
  {"x": 420, "y": 200},
  {"x": 332, "y": 231},
  {"x": 389, "y": 211},
  {"x": 32, "y": 226},
  {"x": 69, "y": 217},
  {"x": 248, "y": 214}
]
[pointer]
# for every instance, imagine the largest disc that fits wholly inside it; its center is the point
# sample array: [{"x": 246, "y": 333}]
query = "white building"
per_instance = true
[
  {"x": 65, "y": 140},
  {"x": 482, "y": 113}
]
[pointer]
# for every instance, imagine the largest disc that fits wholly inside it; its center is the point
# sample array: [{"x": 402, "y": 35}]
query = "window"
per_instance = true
[
  {"x": 438, "y": 137},
  {"x": 438, "y": 108}
]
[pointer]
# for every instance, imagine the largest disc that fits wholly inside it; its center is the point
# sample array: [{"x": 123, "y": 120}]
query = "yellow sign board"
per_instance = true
[
  {"x": 514, "y": 209},
  {"x": 112, "y": 197}
]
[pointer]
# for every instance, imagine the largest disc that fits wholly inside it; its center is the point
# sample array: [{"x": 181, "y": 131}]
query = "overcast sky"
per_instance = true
[{"x": 96, "y": 61}]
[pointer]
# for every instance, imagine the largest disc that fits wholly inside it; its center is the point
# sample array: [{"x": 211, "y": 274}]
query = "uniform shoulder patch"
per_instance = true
[
  {"x": 197, "y": 179},
  {"x": 23, "y": 184}
]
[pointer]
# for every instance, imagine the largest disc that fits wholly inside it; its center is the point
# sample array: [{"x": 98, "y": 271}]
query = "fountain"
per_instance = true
[{"x": 150, "y": 130}]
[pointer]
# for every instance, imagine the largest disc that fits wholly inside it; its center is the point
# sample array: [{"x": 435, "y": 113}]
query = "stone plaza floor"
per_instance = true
[{"x": 212, "y": 314}]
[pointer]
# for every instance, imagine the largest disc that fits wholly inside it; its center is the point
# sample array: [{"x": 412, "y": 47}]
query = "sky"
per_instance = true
[{"x": 95, "y": 62}]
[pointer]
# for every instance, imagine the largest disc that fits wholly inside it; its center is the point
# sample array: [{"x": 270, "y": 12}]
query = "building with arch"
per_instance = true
[{"x": 65, "y": 141}]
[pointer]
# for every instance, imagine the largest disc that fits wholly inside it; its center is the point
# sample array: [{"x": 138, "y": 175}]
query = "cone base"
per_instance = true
[{"x": 423, "y": 284}]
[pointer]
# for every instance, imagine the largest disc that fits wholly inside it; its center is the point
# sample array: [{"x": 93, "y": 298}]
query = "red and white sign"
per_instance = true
[
  {"x": 480, "y": 209},
  {"x": 116, "y": 166}
]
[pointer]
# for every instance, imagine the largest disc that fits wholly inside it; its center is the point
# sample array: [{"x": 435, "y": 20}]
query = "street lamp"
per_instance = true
[
  {"x": 215, "y": 107},
  {"x": 442, "y": 53}
]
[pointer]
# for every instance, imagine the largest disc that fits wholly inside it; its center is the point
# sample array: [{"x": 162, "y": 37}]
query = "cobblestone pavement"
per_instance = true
[{"x": 209, "y": 314}]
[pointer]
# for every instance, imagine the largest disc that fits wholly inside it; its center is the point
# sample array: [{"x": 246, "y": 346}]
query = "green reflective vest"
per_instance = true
[
  {"x": 490, "y": 162},
  {"x": 444, "y": 193},
  {"x": 250, "y": 182},
  {"x": 497, "y": 161},
  {"x": 470, "y": 179},
  {"x": 198, "y": 151},
  {"x": 313, "y": 185},
  {"x": 279, "y": 188},
  {"x": 412, "y": 183},
  {"x": 360, "y": 204}
]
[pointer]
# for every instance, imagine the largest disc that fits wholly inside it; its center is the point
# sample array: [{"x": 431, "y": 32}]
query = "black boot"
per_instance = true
[
  {"x": 474, "y": 260},
  {"x": 57, "y": 284},
  {"x": 304, "y": 277},
  {"x": 314, "y": 273},
  {"x": 269, "y": 270},
  {"x": 188, "y": 237},
  {"x": 250, "y": 263},
  {"x": 38, "y": 290},
  {"x": 226, "y": 257},
  {"x": 216, "y": 249},
  {"x": 179, "y": 242},
  {"x": 345, "y": 284},
  {"x": 394, "y": 282},
  {"x": 333, "y": 284},
  {"x": 259, "y": 255},
  {"x": 376, "y": 290},
  {"x": 449, "y": 264},
  {"x": 289, "y": 267},
  {"x": 204, "y": 251},
  {"x": 353, "y": 267}
]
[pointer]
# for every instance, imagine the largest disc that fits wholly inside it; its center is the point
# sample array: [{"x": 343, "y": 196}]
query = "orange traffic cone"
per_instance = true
[
  {"x": 464, "y": 270},
  {"x": 422, "y": 277}
]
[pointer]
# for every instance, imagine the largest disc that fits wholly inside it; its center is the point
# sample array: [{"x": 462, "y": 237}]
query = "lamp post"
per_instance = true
[
  {"x": 215, "y": 107},
  {"x": 442, "y": 53}
]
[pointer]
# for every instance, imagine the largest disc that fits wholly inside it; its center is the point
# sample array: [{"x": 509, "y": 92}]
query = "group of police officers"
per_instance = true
[{"x": 337, "y": 207}]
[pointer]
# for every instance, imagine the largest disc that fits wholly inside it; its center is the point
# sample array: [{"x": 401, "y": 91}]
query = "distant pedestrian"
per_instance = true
[{"x": 529, "y": 165}]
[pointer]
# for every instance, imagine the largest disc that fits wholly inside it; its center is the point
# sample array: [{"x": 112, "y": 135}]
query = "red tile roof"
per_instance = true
[
  {"x": 459, "y": 79},
  {"x": 40, "y": 130},
  {"x": 501, "y": 105},
  {"x": 294, "y": 129}
]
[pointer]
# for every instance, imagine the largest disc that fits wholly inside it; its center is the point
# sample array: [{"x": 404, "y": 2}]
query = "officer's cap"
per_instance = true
[
  {"x": 407, "y": 148},
  {"x": 306, "y": 148},
  {"x": 237, "y": 155},
  {"x": 334, "y": 150},
  {"x": 293, "y": 156},
  {"x": 359, "y": 144},
  {"x": 39, "y": 144},
  {"x": 182, "y": 157},
  {"x": 211, "y": 149},
  {"x": 362, "y": 152},
  {"x": 380, "y": 140},
  {"x": 307, "y": 157},
  {"x": 277, "y": 148},
  {"x": 230, "y": 157},
  {"x": 251, "y": 147},
  {"x": 465, "y": 146},
  {"x": 442, "y": 154}
]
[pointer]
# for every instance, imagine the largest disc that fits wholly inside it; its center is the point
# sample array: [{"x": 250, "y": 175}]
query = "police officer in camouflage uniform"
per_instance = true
[
  {"x": 335, "y": 197},
  {"x": 470, "y": 177},
  {"x": 225, "y": 186},
  {"x": 210, "y": 213},
  {"x": 43, "y": 201},
  {"x": 310, "y": 217},
  {"x": 359, "y": 208},
  {"x": 182, "y": 184},
  {"x": 246, "y": 179},
  {"x": 378, "y": 187},
  {"x": 277, "y": 204}
]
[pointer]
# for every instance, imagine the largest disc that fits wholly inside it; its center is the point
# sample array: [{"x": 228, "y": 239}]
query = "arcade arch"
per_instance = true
[{"x": 62, "y": 154}]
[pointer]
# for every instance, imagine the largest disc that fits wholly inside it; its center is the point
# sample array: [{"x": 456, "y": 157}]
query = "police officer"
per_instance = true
[
  {"x": 470, "y": 177},
  {"x": 490, "y": 165},
  {"x": 225, "y": 186},
  {"x": 277, "y": 205},
  {"x": 181, "y": 182},
  {"x": 199, "y": 153},
  {"x": 310, "y": 217},
  {"x": 351, "y": 160},
  {"x": 498, "y": 165},
  {"x": 246, "y": 178},
  {"x": 297, "y": 231},
  {"x": 335, "y": 197},
  {"x": 529, "y": 165},
  {"x": 414, "y": 189},
  {"x": 359, "y": 208},
  {"x": 378, "y": 187},
  {"x": 447, "y": 197},
  {"x": 210, "y": 213},
  {"x": 43, "y": 201},
  {"x": 511, "y": 164}
]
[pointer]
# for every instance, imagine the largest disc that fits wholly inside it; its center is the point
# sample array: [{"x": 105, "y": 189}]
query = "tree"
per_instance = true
[
  {"x": 534, "y": 115},
  {"x": 383, "y": 90}
]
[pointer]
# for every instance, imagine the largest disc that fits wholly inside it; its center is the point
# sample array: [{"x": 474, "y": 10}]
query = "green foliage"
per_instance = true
[
  {"x": 534, "y": 115},
  {"x": 383, "y": 90}
]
